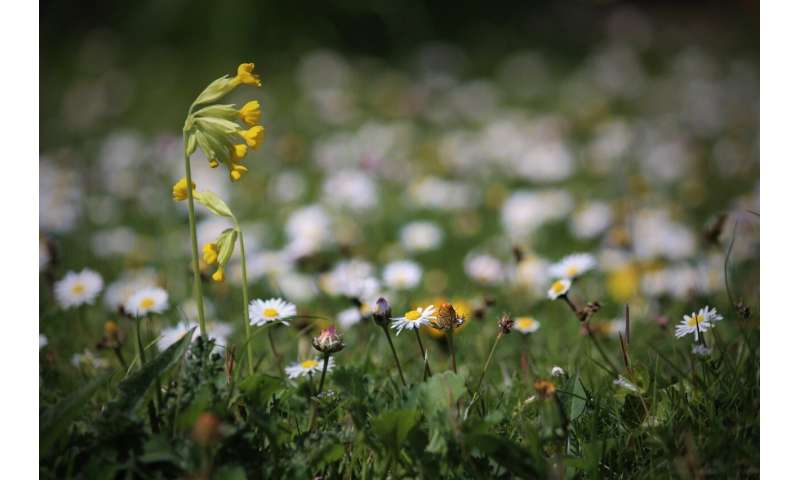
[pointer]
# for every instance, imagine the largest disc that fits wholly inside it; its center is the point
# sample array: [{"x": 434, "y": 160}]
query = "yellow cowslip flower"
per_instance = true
[
  {"x": 180, "y": 190},
  {"x": 245, "y": 75},
  {"x": 237, "y": 171},
  {"x": 238, "y": 152},
  {"x": 250, "y": 113},
  {"x": 253, "y": 136},
  {"x": 213, "y": 163},
  {"x": 219, "y": 275},
  {"x": 210, "y": 252}
]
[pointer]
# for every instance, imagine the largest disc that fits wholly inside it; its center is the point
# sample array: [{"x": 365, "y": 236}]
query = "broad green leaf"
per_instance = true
[
  {"x": 213, "y": 203},
  {"x": 392, "y": 427},
  {"x": 441, "y": 391},
  {"x": 510, "y": 455},
  {"x": 55, "y": 420},
  {"x": 258, "y": 389},
  {"x": 133, "y": 389}
]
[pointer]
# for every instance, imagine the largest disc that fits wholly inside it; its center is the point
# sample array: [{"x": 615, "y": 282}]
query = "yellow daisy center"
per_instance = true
[
  {"x": 308, "y": 364},
  {"x": 558, "y": 287},
  {"x": 412, "y": 315},
  {"x": 271, "y": 312},
  {"x": 572, "y": 270},
  {"x": 525, "y": 322},
  {"x": 78, "y": 288},
  {"x": 146, "y": 303},
  {"x": 695, "y": 320}
]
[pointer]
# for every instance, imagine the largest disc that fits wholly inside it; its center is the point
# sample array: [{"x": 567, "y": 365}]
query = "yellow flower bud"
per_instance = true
[
  {"x": 210, "y": 252},
  {"x": 237, "y": 171},
  {"x": 218, "y": 276},
  {"x": 250, "y": 113},
  {"x": 180, "y": 190},
  {"x": 238, "y": 152},
  {"x": 253, "y": 136},
  {"x": 245, "y": 75},
  {"x": 213, "y": 163}
]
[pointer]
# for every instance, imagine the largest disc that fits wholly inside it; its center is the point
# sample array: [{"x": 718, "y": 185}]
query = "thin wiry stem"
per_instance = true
[
  {"x": 488, "y": 361},
  {"x": 324, "y": 370},
  {"x": 427, "y": 371},
  {"x": 451, "y": 347},
  {"x": 198, "y": 288},
  {"x": 396, "y": 359}
]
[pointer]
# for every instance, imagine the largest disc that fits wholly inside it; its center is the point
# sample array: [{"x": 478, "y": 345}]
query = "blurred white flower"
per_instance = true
[
  {"x": 420, "y": 236},
  {"x": 348, "y": 317},
  {"x": 217, "y": 331},
  {"x": 308, "y": 230},
  {"x": 42, "y": 341},
  {"x": 350, "y": 189},
  {"x": 559, "y": 288},
  {"x": 288, "y": 186},
  {"x": 701, "y": 350},
  {"x": 572, "y": 266},
  {"x": 524, "y": 210},
  {"x": 402, "y": 275},
  {"x": 591, "y": 220},
  {"x": 115, "y": 241},
  {"x": 272, "y": 310},
  {"x": 44, "y": 254},
  {"x": 297, "y": 287},
  {"x": 557, "y": 371},
  {"x": 484, "y": 269},
  {"x": 60, "y": 197},
  {"x": 88, "y": 359},
  {"x": 530, "y": 274},
  {"x": 438, "y": 194},
  {"x": 526, "y": 324},
  {"x": 130, "y": 282},
  {"x": 189, "y": 311},
  {"x": 147, "y": 301},
  {"x": 352, "y": 278},
  {"x": 655, "y": 235},
  {"x": 78, "y": 288}
]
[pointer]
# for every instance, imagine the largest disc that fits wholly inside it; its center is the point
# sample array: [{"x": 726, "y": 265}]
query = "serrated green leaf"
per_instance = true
[
  {"x": 133, "y": 389},
  {"x": 392, "y": 427},
  {"x": 56, "y": 419}
]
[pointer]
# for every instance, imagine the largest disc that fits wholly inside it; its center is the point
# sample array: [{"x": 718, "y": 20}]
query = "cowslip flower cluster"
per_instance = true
[
  {"x": 223, "y": 132},
  {"x": 219, "y": 252}
]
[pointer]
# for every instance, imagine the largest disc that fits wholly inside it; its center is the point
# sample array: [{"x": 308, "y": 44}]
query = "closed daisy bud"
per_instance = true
[
  {"x": 245, "y": 75},
  {"x": 329, "y": 341},
  {"x": 253, "y": 136},
  {"x": 180, "y": 191},
  {"x": 250, "y": 113},
  {"x": 382, "y": 313},
  {"x": 210, "y": 252}
]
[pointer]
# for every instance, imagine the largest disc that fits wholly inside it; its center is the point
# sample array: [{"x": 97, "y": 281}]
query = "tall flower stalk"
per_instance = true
[
  {"x": 382, "y": 315},
  {"x": 215, "y": 130}
]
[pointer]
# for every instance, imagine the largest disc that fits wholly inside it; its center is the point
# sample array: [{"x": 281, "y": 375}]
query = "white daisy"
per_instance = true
[
  {"x": 526, "y": 324},
  {"x": 272, "y": 310},
  {"x": 78, "y": 288},
  {"x": 557, "y": 371},
  {"x": 147, "y": 301},
  {"x": 420, "y": 236},
  {"x": 414, "y": 318},
  {"x": 402, "y": 275},
  {"x": 698, "y": 322},
  {"x": 307, "y": 367},
  {"x": 484, "y": 269},
  {"x": 559, "y": 288},
  {"x": 573, "y": 266}
]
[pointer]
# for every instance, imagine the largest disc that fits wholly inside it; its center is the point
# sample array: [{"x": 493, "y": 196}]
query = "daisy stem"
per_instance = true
[
  {"x": 245, "y": 301},
  {"x": 324, "y": 369},
  {"x": 198, "y": 288},
  {"x": 427, "y": 371},
  {"x": 451, "y": 347},
  {"x": 159, "y": 401},
  {"x": 278, "y": 358},
  {"x": 488, "y": 361},
  {"x": 139, "y": 347},
  {"x": 396, "y": 359}
]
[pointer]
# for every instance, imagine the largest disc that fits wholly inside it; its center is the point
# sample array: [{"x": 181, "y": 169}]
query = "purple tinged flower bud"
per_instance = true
[
  {"x": 329, "y": 341},
  {"x": 382, "y": 313},
  {"x": 505, "y": 324}
]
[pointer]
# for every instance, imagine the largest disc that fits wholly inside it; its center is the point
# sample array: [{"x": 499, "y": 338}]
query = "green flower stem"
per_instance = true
[
  {"x": 245, "y": 302},
  {"x": 427, "y": 371},
  {"x": 451, "y": 347},
  {"x": 488, "y": 361},
  {"x": 324, "y": 369},
  {"x": 396, "y": 359},
  {"x": 198, "y": 288},
  {"x": 275, "y": 354},
  {"x": 159, "y": 400},
  {"x": 139, "y": 347}
]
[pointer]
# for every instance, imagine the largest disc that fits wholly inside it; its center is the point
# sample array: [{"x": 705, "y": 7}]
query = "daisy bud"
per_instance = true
[
  {"x": 505, "y": 324},
  {"x": 206, "y": 429},
  {"x": 329, "y": 341},
  {"x": 382, "y": 313}
]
